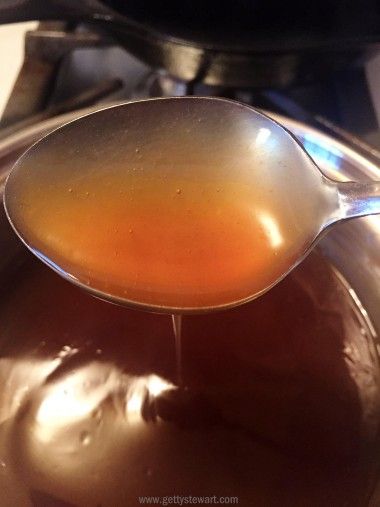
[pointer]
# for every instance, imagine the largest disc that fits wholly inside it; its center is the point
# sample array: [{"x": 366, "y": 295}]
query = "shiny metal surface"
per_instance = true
[{"x": 89, "y": 417}]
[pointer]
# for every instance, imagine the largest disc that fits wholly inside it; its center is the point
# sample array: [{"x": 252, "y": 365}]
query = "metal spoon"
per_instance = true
[{"x": 180, "y": 205}]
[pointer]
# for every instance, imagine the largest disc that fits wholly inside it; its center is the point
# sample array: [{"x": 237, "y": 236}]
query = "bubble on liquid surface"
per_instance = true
[{"x": 85, "y": 438}]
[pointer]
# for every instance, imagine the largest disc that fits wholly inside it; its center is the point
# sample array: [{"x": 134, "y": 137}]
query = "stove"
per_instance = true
[{"x": 68, "y": 66}]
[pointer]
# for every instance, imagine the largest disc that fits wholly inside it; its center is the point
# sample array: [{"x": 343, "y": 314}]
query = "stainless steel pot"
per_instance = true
[{"x": 353, "y": 248}]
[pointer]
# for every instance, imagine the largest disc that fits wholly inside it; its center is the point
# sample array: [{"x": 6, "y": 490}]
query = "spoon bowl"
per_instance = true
[{"x": 178, "y": 205}]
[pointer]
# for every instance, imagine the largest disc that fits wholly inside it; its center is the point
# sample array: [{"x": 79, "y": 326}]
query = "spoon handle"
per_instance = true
[{"x": 358, "y": 199}]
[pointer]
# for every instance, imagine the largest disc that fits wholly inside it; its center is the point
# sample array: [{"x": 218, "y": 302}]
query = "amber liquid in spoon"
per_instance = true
[{"x": 169, "y": 207}]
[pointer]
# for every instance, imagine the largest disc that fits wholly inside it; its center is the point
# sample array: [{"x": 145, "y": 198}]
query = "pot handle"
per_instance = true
[{"x": 13, "y": 11}]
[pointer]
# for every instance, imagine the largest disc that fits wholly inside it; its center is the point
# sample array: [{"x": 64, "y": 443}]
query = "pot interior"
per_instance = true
[{"x": 279, "y": 401}]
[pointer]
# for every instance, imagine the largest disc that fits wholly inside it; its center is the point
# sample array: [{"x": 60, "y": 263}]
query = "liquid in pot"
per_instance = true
[{"x": 278, "y": 403}]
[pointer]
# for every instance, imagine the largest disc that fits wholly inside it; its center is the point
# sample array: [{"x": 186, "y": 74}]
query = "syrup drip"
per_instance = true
[{"x": 177, "y": 329}]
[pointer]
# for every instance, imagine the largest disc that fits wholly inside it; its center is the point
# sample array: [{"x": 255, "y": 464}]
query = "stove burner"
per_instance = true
[{"x": 68, "y": 66}]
